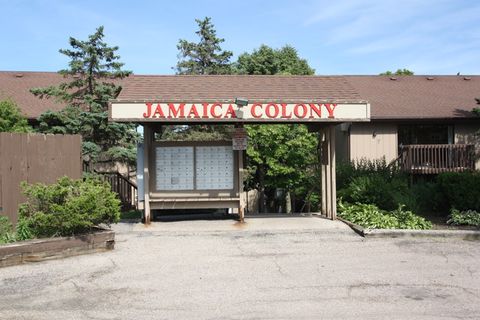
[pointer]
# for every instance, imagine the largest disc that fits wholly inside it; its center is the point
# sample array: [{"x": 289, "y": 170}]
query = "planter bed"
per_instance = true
[
  {"x": 467, "y": 234},
  {"x": 54, "y": 248}
]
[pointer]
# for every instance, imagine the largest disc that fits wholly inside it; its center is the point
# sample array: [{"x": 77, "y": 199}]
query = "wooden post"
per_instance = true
[
  {"x": 147, "y": 145},
  {"x": 333, "y": 175},
  {"x": 323, "y": 162},
  {"x": 241, "y": 207},
  {"x": 329, "y": 192}
]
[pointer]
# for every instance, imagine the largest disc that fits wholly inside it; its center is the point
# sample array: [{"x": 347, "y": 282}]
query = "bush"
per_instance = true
[
  {"x": 6, "y": 230},
  {"x": 347, "y": 171},
  {"x": 370, "y": 216},
  {"x": 386, "y": 193},
  {"x": 468, "y": 217},
  {"x": 66, "y": 208},
  {"x": 460, "y": 189}
]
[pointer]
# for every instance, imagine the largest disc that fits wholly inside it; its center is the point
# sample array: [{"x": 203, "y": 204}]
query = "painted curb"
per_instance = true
[{"x": 404, "y": 233}]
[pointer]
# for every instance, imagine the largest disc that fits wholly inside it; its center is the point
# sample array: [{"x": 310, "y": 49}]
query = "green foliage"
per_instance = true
[
  {"x": 132, "y": 214},
  {"x": 283, "y": 156},
  {"x": 268, "y": 61},
  {"x": 468, "y": 217},
  {"x": 373, "y": 182},
  {"x": 23, "y": 231},
  {"x": 461, "y": 190},
  {"x": 90, "y": 83},
  {"x": 7, "y": 234},
  {"x": 206, "y": 56},
  {"x": 476, "y": 111},
  {"x": 399, "y": 72},
  {"x": 11, "y": 118},
  {"x": 375, "y": 189},
  {"x": 348, "y": 170},
  {"x": 197, "y": 132},
  {"x": 370, "y": 216},
  {"x": 67, "y": 207}
]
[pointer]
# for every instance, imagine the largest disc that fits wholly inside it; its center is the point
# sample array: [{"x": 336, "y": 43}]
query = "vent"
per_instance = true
[
  {"x": 430, "y": 78},
  {"x": 19, "y": 75},
  {"x": 467, "y": 78},
  {"x": 393, "y": 78}
]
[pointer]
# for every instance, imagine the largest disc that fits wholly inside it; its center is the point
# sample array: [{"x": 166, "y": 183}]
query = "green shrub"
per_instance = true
[
  {"x": 370, "y": 216},
  {"x": 6, "y": 230},
  {"x": 408, "y": 220},
  {"x": 468, "y": 217},
  {"x": 66, "y": 208},
  {"x": 460, "y": 189},
  {"x": 348, "y": 170},
  {"x": 427, "y": 198},
  {"x": 386, "y": 193}
]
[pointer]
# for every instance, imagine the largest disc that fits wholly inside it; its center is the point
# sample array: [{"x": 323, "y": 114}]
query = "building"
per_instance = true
[{"x": 427, "y": 119}]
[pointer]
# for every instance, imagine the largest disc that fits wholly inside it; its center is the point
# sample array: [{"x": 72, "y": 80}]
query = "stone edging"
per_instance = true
[
  {"x": 54, "y": 248},
  {"x": 400, "y": 233}
]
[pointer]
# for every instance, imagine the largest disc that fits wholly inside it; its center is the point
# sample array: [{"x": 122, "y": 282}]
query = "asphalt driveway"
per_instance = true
[{"x": 285, "y": 268}]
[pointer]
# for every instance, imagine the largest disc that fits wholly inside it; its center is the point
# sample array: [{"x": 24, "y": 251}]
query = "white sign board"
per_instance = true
[{"x": 230, "y": 112}]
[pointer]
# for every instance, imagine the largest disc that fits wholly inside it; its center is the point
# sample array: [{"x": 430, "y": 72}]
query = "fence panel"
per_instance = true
[{"x": 34, "y": 158}]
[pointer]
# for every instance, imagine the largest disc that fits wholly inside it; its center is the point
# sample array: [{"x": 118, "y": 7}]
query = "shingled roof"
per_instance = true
[
  {"x": 419, "y": 97},
  {"x": 16, "y": 85},
  {"x": 390, "y": 97},
  {"x": 228, "y": 87}
]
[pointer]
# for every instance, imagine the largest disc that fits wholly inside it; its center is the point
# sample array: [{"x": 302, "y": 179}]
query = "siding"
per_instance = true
[
  {"x": 373, "y": 141},
  {"x": 465, "y": 133},
  {"x": 342, "y": 144}
]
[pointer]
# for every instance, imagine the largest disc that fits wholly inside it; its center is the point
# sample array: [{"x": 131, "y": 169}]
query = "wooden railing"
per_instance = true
[
  {"x": 127, "y": 190},
  {"x": 436, "y": 158}
]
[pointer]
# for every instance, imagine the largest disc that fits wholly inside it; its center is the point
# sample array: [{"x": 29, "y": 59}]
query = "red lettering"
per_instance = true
[
  {"x": 268, "y": 110},
  {"x": 158, "y": 112},
  {"x": 148, "y": 114},
  {"x": 296, "y": 110},
  {"x": 193, "y": 111},
  {"x": 231, "y": 112},
  {"x": 176, "y": 113},
  {"x": 254, "y": 114},
  {"x": 205, "y": 110},
  {"x": 317, "y": 110},
  {"x": 330, "y": 108},
  {"x": 212, "y": 110},
  {"x": 284, "y": 111}
]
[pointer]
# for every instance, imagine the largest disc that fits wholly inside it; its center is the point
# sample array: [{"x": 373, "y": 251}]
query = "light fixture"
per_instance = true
[{"x": 241, "y": 102}]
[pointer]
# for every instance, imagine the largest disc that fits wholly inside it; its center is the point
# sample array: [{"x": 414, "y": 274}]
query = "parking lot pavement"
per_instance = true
[{"x": 292, "y": 268}]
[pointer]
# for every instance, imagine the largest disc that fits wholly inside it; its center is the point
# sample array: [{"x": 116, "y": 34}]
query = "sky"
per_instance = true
[{"x": 336, "y": 37}]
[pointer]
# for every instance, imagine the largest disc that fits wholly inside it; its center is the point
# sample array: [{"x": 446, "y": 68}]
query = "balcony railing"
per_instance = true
[{"x": 436, "y": 158}]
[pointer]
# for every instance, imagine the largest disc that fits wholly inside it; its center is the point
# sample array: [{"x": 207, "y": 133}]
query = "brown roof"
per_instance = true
[
  {"x": 16, "y": 85},
  {"x": 407, "y": 97},
  {"x": 229, "y": 87}
]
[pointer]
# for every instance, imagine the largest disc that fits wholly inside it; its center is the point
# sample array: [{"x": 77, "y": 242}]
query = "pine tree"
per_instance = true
[
  {"x": 206, "y": 56},
  {"x": 91, "y": 79}
]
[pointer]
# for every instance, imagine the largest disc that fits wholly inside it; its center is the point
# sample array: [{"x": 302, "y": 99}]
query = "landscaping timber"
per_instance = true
[{"x": 55, "y": 248}]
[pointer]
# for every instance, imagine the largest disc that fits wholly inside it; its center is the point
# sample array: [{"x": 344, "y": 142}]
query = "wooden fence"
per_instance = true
[
  {"x": 34, "y": 158},
  {"x": 437, "y": 158}
]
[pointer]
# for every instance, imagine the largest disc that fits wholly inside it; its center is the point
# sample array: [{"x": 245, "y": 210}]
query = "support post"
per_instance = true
[
  {"x": 147, "y": 145},
  {"x": 329, "y": 192},
  {"x": 333, "y": 175},
  {"x": 241, "y": 207}
]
